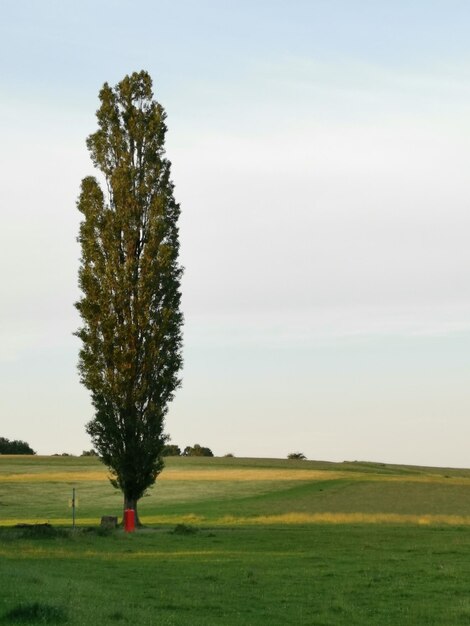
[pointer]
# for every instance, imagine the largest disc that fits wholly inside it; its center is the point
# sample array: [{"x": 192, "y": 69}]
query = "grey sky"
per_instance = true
[{"x": 320, "y": 153}]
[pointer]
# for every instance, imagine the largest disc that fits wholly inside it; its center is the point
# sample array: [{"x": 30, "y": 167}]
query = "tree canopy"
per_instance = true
[
  {"x": 171, "y": 449},
  {"x": 197, "y": 450},
  {"x": 299, "y": 456},
  {"x": 129, "y": 276},
  {"x": 15, "y": 446}
]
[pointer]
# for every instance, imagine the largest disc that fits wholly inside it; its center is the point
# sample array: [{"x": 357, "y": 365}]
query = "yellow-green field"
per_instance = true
[
  {"x": 232, "y": 491},
  {"x": 232, "y": 542}
]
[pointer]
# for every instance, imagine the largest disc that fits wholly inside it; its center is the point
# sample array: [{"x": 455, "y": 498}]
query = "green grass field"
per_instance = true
[{"x": 263, "y": 541}]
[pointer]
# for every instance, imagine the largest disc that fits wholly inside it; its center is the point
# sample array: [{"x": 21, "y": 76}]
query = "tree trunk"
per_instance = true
[{"x": 131, "y": 503}]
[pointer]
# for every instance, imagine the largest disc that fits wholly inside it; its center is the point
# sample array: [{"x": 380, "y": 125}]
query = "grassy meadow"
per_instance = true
[{"x": 237, "y": 541}]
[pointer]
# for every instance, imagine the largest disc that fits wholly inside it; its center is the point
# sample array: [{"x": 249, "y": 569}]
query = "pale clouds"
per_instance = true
[
  {"x": 344, "y": 217},
  {"x": 321, "y": 160}
]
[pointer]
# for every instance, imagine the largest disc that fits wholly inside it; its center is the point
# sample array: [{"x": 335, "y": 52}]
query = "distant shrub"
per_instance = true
[
  {"x": 229, "y": 455},
  {"x": 197, "y": 450},
  {"x": 15, "y": 446},
  {"x": 91, "y": 452},
  {"x": 170, "y": 449},
  {"x": 299, "y": 456}
]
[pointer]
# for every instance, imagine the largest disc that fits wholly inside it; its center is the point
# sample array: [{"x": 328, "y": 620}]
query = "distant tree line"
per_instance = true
[
  {"x": 170, "y": 449},
  {"x": 91, "y": 452},
  {"x": 15, "y": 446},
  {"x": 84, "y": 453},
  {"x": 196, "y": 450}
]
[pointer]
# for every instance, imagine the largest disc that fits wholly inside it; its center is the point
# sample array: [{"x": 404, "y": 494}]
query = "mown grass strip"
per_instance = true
[
  {"x": 57, "y": 521},
  {"x": 51, "y": 552},
  {"x": 235, "y": 475},
  {"x": 54, "y": 477},
  {"x": 282, "y": 519},
  {"x": 317, "y": 518},
  {"x": 232, "y": 475}
]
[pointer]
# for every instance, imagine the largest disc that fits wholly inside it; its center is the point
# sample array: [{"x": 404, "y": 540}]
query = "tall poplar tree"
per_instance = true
[{"x": 130, "y": 282}]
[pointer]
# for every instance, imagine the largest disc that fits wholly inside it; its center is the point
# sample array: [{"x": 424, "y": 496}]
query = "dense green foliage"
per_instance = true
[
  {"x": 197, "y": 450},
  {"x": 171, "y": 449},
  {"x": 297, "y": 456},
  {"x": 15, "y": 446},
  {"x": 130, "y": 279},
  {"x": 89, "y": 453}
]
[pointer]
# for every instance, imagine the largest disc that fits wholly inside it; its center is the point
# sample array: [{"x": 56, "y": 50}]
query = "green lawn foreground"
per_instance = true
[{"x": 230, "y": 567}]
